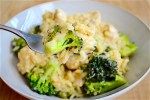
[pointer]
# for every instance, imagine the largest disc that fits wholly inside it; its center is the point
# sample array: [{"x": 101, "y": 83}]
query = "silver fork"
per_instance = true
[{"x": 33, "y": 41}]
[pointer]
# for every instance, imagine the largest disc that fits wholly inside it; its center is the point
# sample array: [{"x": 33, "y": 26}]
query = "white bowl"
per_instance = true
[{"x": 139, "y": 65}]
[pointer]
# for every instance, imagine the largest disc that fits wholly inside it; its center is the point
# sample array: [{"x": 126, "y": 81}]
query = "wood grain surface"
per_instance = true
[{"x": 140, "y": 8}]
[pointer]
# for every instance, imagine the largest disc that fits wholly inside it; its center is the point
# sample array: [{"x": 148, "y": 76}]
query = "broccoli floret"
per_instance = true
[
  {"x": 57, "y": 29},
  {"x": 39, "y": 78},
  {"x": 58, "y": 44},
  {"x": 101, "y": 76},
  {"x": 101, "y": 68},
  {"x": 36, "y": 29},
  {"x": 94, "y": 88},
  {"x": 129, "y": 47},
  {"x": 64, "y": 95},
  {"x": 17, "y": 44},
  {"x": 108, "y": 49}
]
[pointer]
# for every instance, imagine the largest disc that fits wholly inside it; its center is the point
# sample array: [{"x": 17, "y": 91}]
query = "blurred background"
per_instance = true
[{"x": 139, "y": 8}]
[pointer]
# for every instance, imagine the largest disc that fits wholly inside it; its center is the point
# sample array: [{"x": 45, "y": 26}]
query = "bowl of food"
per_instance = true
[{"x": 92, "y": 50}]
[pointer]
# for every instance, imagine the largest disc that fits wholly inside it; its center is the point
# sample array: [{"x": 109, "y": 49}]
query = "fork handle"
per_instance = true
[{"x": 12, "y": 30}]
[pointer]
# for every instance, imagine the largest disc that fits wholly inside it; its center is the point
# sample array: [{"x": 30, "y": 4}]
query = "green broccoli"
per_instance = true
[
  {"x": 101, "y": 75},
  {"x": 64, "y": 95},
  {"x": 129, "y": 47},
  {"x": 108, "y": 49},
  {"x": 36, "y": 30},
  {"x": 101, "y": 68},
  {"x": 17, "y": 44},
  {"x": 39, "y": 78},
  {"x": 57, "y": 29},
  {"x": 58, "y": 44},
  {"x": 94, "y": 88}
]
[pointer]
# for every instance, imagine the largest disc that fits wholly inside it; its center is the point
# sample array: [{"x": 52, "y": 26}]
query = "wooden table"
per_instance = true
[{"x": 140, "y": 8}]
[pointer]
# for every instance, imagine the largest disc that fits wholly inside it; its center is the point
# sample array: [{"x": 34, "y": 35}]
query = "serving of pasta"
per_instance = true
[{"x": 84, "y": 56}]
